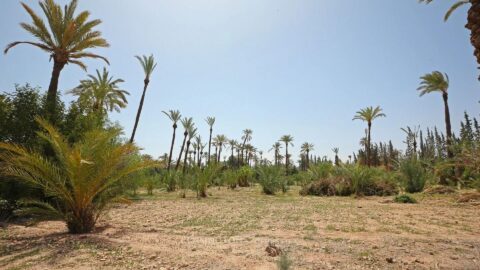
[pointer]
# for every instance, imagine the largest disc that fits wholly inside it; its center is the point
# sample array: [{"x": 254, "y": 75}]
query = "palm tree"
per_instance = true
[
  {"x": 197, "y": 147},
  {"x": 66, "y": 40},
  {"x": 473, "y": 21},
  {"x": 82, "y": 178},
  {"x": 233, "y": 144},
  {"x": 210, "y": 122},
  {"x": 337, "y": 160},
  {"x": 287, "y": 139},
  {"x": 247, "y": 136},
  {"x": 276, "y": 147},
  {"x": 101, "y": 93},
  {"x": 148, "y": 65},
  {"x": 191, "y": 134},
  {"x": 369, "y": 114},
  {"x": 174, "y": 116},
  {"x": 439, "y": 82},
  {"x": 187, "y": 124},
  {"x": 306, "y": 148},
  {"x": 221, "y": 140}
]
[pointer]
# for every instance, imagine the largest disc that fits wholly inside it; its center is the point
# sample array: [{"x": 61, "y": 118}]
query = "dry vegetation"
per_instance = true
[{"x": 231, "y": 229}]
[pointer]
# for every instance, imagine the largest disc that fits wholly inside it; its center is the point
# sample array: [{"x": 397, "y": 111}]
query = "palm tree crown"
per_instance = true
[
  {"x": 368, "y": 114},
  {"x": 434, "y": 82},
  {"x": 174, "y": 116},
  {"x": 148, "y": 64},
  {"x": 101, "y": 93}
]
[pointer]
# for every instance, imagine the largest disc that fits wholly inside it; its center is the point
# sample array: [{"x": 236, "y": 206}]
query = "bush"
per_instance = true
[
  {"x": 203, "y": 177},
  {"x": 245, "y": 176},
  {"x": 80, "y": 180},
  {"x": 284, "y": 263},
  {"x": 404, "y": 198},
  {"x": 171, "y": 180},
  {"x": 230, "y": 178},
  {"x": 413, "y": 175},
  {"x": 272, "y": 179},
  {"x": 321, "y": 170},
  {"x": 323, "y": 187}
]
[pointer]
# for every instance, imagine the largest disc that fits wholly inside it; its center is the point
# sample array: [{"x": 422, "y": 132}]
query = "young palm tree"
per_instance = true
[
  {"x": 148, "y": 65},
  {"x": 210, "y": 122},
  {"x": 191, "y": 134},
  {"x": 473, "y": 21},
  {"x": 221, "y": 140},
  {"x": 276, "y": 147},
  {"x": 306, "y": 148},
  {"x": 439, "y": 82},
  {"x": 174, "y": 116},
  {"x": 369, "y": 114},
  {"x": 187, "y": 124},
  {"x": 287, "y": 139},
  {"x": 82, "y": 178},
  {"x": 247, "y": 136},
  {"x": 66, "y": 40},
  {"x": 101, "y": 93}
]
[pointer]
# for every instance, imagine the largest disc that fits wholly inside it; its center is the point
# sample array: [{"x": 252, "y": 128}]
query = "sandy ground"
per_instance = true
[{"x": 231, "y": 229}]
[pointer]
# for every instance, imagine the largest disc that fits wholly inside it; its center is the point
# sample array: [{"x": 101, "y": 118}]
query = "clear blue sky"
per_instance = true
[{"x": 299, "y": 67}]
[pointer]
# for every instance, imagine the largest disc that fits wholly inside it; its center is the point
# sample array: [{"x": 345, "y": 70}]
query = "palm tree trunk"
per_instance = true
[
  {"x": 139, "y": 112},
  {"x": 185, "y": 158},
  {"x": 209, "y": 145},
  {"x": 308, "y": 159},
  {"x": 448, "y": 126},
  {"x": 473, "y": 24},
  {"x": 231, "y": 157},
  {"x": 171, "y": 147},
  {"x": 286, "y": 158},
  {"x": 219, "y": 152},
  {"x": 368, "y": 143},
  {"x": 181, "y": 150},
  {"x": 53, "y": 89}
]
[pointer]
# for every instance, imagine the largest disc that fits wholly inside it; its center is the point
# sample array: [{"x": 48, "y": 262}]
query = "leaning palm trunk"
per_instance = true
[
  {"x": 181, "y": 150},
  {"x": 448, "y": 126},
  {"x": 185, "y": 157},
  {"x": 53, "y": 88},
  {"x": 139, "y": 112},
  {"x": 171, "y": 147}
]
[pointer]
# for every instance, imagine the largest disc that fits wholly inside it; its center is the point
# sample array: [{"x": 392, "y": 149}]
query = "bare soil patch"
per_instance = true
[{"x": 232, "y": 230}]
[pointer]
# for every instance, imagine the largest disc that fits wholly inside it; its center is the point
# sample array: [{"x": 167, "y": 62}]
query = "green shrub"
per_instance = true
[
  {"x": 171, "y": 180},
  {"x": 272, "y": 179},
  {"x": 204, "y": 177},
  {"x": 230, "y": 178},
  {"x": 404, "y": 198},
  {"x": 245, "y": 176},
  {"x": 321, "y": 170},
  {"x": 284, "y": 263},
  {"x": 413, "y": 175}
]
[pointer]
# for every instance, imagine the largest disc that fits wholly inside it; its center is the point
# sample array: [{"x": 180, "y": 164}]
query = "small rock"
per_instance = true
[
  {"x": 390, "y": 260},
  {"x": 454, "y": 257}
]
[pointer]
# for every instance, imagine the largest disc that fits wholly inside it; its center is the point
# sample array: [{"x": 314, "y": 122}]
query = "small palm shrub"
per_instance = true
[
  {"x": 284, "y": 263},
  {"x": 271, "y": 178},
  {"x": 230, "y": 178},
  {"x": 404, "y": 198},
  {"x": 413, "y": 175},
  {"x": 321, "y": 170},
  {"x": 80, "y": 180},
  {"x": 322, "y": 187},
  {"x": 245, "y": 176},
  {"x": 204, "y": 177},
  {"x": 170, "y": 179}
]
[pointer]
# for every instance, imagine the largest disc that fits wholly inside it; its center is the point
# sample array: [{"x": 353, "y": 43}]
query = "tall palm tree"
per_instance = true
[
  {"x": 337, "y": 160},
  {"x": 232, "y": 144},
  {"x": 101, "y": 93},
  {"x": 174, "y": 116},
  {"x": 473, "y": 21},
  {"x": 306, "y": 148},
  {"x": 221, "y": 140},
  {"x": 148, "y": 65},
  {"x": 66, "y": 40},
  {"x": 210, "y": 122},
  {"x": 192, "y": 131},
  {"x": 246, "y": 137},
  {"x": 369, "y": 114},
  {"x": 276, "y": 148},
  {"x": 439, "y": 82},
  {"x": 187, "y": 124},
  {"x": 287, "y": 139},
  {"x": 197, "y": 147}
]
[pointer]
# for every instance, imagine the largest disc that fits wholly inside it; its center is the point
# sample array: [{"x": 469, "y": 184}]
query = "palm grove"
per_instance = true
[{"x": 69, "y": 161}]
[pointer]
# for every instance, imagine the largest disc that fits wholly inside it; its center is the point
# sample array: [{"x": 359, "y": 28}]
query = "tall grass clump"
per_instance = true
[
  {"x": 80, "y": 180},
  {"x": 413, "y": 175}
]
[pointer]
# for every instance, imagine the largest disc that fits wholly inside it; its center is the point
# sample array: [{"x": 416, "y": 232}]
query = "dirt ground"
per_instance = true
[{"x": 231, "y": 230}]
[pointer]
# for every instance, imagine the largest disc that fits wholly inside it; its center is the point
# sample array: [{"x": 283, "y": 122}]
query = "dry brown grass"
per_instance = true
[{"x": 231, "y": 230}]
